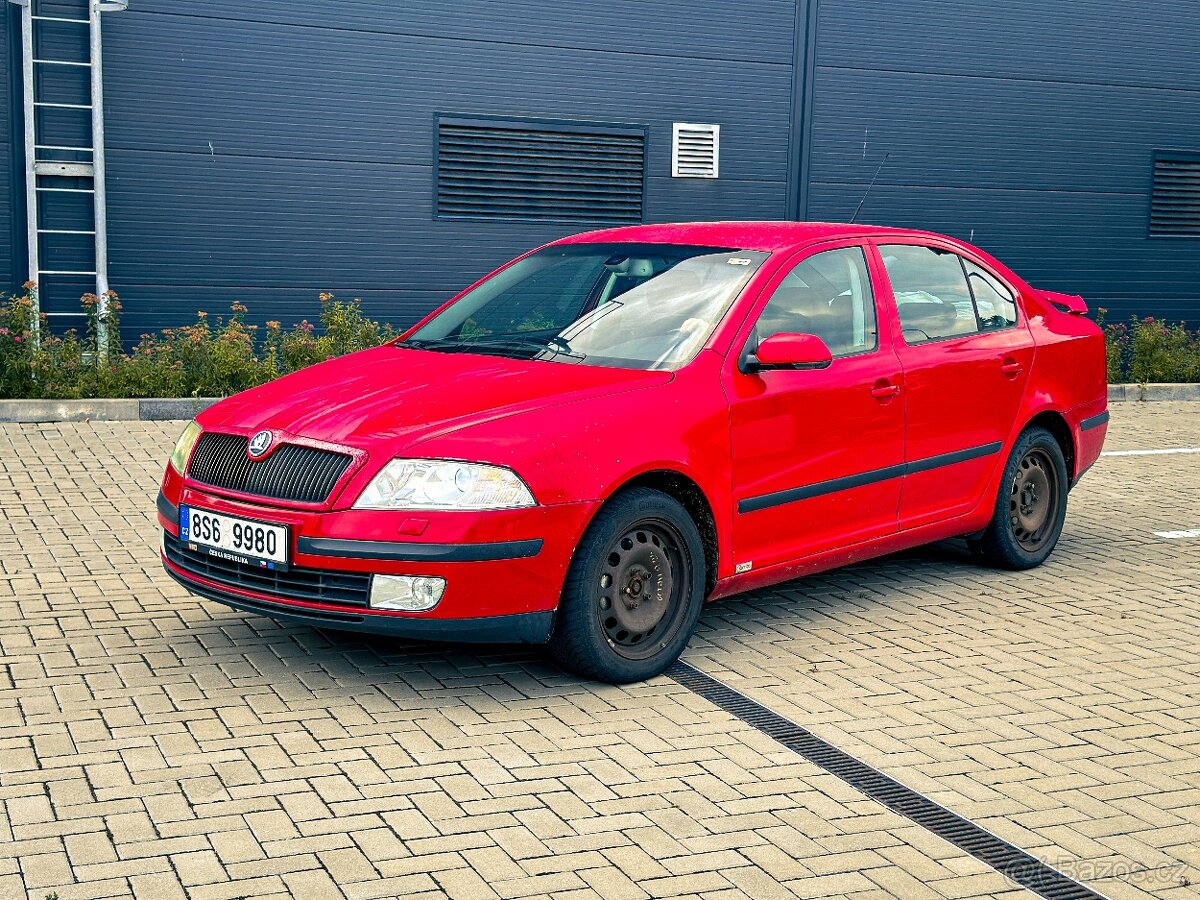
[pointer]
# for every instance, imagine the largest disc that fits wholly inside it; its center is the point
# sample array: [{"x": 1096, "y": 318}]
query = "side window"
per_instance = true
[
  {"x": 829, "y": 295},
  {"x": 994, "y": 302},
  {"x": 932, "y": 295}
]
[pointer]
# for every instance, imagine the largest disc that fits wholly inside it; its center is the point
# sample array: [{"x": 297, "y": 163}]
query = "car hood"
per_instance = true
[{"x": 399, "y": 396}]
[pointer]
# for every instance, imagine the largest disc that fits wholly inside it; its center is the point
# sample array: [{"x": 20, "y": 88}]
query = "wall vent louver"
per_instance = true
[
  {"x": 512, "y": 169},
  {"x": 1175, "y": 196}
]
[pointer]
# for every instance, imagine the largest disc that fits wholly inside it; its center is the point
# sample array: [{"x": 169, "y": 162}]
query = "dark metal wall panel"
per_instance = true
[
  {"x": 1084, "y": 41},
  {"x": 276, "y": 153},
  {"x": 760, "y": 31},
  {"x": 1026, "y": 127}
]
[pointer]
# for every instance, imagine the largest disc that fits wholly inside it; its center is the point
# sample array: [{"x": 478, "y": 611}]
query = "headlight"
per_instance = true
[
  {"x": 444, "y": 484},
  {"x": 184, "y": 446}
]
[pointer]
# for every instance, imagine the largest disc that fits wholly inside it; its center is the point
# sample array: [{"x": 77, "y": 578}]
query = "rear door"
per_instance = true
[
  {"x": 966, "y": 354},
  {"x": 818, "y": 453}
]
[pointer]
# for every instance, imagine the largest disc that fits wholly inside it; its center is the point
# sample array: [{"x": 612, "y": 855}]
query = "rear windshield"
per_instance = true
[{"x": 639, "y": 306}]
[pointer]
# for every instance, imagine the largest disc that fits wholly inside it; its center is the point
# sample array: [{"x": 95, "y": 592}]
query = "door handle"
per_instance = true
[
  {"x": 1010, "y": 367},
  {"x": 885, "y": 391}
]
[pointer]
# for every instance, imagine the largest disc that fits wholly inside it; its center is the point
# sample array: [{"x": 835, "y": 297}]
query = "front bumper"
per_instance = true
[
  {"x": 518, "y": 628},
  {"x": 504, "y": 570}
]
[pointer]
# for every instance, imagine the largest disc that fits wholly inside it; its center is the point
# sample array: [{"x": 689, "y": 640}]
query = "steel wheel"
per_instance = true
[
  {"x": 633, "y": 591},
  {"x": 642, "y": 584},
  {"x": 1033, "y": 500}
]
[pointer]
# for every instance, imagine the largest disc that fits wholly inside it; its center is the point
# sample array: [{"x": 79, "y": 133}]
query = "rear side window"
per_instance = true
[
  {"x": 931, "y": 290},
  {"x": 994, "y": 302},
  {"x": 829, "y": 295}
]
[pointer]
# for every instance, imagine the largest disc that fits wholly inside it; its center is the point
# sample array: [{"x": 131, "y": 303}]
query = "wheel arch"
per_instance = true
[
  {"x": 1056, "y": 423},
  {"x": 691, "y": 496}
]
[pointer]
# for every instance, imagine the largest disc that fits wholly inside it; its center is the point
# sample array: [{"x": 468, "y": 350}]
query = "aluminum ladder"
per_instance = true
[{"x": 64, "y": 168}]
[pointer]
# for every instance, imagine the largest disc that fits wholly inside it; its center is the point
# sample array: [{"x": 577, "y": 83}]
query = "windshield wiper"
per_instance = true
[
  {"x": 428, "y": 343},
  {"x": 507, "y": 346},
  {"x": 538, "y": 346}
]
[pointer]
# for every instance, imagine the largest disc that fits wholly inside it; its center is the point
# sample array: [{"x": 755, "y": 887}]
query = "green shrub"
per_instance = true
[
  {"x": 1163, "y": 353},
  {"x": 1149, "y": 350},
  {"x": 213, "y": 357},
  {"x": 17, "y": 351}
]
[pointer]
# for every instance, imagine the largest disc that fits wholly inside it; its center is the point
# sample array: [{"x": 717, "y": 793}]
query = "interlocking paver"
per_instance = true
[{"x": 158, "y": 745}]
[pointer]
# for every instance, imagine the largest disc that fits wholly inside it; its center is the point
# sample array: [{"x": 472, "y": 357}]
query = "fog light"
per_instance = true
[{"x": 411, "y": 593}]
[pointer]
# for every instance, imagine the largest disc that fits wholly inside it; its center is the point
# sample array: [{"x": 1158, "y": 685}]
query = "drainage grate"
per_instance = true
[{"x": 1021, "y": 867}]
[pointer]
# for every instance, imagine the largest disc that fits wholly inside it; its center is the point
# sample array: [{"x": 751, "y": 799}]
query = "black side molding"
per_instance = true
[
  {"x": 409, "y": 551},
  {"x": 167, "y": 509},
  {"x": 949, "y": 459},
  {"x": 1093, "y": 421},
  {"x": 808, "y": 491}
]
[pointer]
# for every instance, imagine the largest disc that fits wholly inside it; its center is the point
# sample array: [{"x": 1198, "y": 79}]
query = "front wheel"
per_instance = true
[
  {"x": 633, "y": 592},
  {"x": 1030, "y": 507}
]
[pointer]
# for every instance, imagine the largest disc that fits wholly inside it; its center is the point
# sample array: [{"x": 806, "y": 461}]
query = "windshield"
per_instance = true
[{"x": 638, "y": 306}]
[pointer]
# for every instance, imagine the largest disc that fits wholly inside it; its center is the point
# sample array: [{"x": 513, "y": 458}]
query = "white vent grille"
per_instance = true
[{"x": 695, "y": 150}]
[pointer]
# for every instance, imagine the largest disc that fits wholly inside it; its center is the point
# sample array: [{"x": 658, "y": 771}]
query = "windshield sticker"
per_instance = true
[{"x": 739, "y": 261}]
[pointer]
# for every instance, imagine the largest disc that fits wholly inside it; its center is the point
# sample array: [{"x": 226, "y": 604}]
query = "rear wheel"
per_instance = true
[
  {"x": 1031, "y": 505},
  {"x": 633, "y": 592}
]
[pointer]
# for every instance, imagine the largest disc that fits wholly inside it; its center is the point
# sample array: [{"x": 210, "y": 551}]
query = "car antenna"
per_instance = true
[{"x": 869, "y": 186}]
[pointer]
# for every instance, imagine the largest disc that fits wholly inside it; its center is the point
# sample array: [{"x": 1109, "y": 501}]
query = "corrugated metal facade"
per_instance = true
[
  {"x": 265, "y": 152},
  {"x": 1029, "y": 126}
]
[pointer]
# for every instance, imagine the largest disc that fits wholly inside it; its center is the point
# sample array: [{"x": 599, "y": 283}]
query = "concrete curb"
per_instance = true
[
  {"x": 147, "y": 410},
  {"x": 1151, "y": 392},
  {"x": 170, "y": 408}
]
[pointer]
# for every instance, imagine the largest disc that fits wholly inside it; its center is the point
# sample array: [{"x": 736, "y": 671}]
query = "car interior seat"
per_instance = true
[{"x": 628, "y": 274}]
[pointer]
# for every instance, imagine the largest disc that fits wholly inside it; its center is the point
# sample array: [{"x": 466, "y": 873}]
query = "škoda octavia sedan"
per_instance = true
[{"x": 592, "y": 441}]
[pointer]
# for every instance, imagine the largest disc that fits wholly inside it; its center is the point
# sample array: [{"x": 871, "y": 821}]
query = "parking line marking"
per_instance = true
[
  {"x": 1175, "y": 535},
  {"x": 1151, "y": 452},
  {"x": 1011, "y": 861}
]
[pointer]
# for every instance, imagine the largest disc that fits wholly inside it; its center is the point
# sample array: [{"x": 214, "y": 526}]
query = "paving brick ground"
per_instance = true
[{"x": 158, "y": 745}]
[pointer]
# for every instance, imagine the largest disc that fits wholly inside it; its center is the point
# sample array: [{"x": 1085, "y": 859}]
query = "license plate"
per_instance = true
[{"x": 234, "y": 538}]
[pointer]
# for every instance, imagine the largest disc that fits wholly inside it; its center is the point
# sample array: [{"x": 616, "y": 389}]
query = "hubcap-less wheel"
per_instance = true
[
  {"x": 1033, "y": 504},
  {"x": 642, "y": 583},
  {"x": 633, "y": 591},
  {"x": 1030, "y": 505}
]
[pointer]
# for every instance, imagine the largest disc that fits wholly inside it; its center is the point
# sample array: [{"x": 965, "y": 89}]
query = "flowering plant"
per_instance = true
[{"x": 211, "y": 357}]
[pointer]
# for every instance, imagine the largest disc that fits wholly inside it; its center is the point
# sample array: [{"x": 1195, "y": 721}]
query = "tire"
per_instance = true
[
  {"x": 1031, "y": 505},
  {"x": 633, "y": 591}
]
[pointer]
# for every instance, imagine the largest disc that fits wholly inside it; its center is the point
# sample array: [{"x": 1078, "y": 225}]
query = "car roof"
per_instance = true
[{"x": 764, "y": 236}]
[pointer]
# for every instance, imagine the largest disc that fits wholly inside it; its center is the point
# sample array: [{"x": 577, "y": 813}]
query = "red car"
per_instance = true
[{"x": 587, "y": 444}]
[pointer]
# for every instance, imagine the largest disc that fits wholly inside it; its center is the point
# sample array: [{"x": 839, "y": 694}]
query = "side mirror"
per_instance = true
[{"x": 789, "y": 351}]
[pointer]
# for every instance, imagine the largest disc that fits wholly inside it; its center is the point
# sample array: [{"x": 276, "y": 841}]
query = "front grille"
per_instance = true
[
  {"x": 314, "y": 585},
  {"x": 293, "y": 472}
]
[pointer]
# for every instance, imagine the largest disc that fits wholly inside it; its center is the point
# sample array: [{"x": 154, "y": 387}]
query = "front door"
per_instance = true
[
  {"x": 966, "y": 357},
  {"x": 818, "y": 453}
]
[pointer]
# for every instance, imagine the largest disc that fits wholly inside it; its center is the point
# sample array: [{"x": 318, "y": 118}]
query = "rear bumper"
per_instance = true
[
  {"x": 1090, "y": 432},
  {"x": 518, "y": 628}
]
